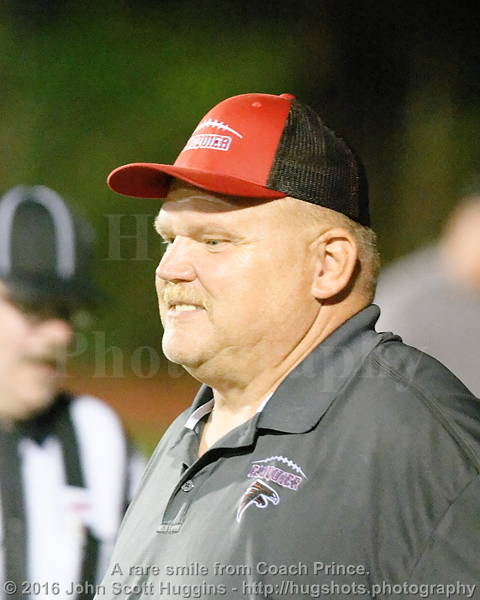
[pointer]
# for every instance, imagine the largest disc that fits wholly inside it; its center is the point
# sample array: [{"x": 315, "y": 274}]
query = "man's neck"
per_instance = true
[{"x": 235, "y": 404}]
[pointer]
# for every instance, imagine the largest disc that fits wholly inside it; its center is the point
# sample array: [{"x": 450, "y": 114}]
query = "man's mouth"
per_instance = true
[
  {"x": 185, "y": 307},
  {"x": 178, "y": 300},
  {"x": 48, "y": 362}
]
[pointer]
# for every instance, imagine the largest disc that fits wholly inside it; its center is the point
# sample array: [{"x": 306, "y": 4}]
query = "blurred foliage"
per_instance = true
[{"x": 89, "y": 85}]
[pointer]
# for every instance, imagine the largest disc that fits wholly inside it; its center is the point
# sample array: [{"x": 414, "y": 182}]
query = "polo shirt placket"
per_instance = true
[{"x": 197, "y": 470}]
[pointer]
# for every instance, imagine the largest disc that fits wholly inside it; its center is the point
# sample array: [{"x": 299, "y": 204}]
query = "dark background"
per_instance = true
[{"x": 89, "y": 85}]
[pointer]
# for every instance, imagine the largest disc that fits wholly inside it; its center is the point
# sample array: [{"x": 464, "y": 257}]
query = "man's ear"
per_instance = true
[{"x": 336, "y": 259}]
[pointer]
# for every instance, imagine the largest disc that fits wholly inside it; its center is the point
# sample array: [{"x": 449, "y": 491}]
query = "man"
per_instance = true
[
  {"x": 431, "y": 297},
  {"x": 319, "y": 457},
  {"x": 66, "y": 468}
]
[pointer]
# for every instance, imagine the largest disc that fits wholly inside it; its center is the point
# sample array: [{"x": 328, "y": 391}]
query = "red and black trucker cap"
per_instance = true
[
  {"x": 46, "y": 249},
  {"x": 260, "y": 146}
]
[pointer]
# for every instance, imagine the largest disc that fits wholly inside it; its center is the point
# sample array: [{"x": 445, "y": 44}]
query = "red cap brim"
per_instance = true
[{"x": 151, "y": 180}]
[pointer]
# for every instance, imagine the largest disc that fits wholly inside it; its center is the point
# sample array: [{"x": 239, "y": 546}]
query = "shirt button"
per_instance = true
[{"x": 187, "y": 486}]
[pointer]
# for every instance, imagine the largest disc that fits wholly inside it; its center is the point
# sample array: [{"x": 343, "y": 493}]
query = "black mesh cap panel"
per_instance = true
[{"x": 314, "y": 165}]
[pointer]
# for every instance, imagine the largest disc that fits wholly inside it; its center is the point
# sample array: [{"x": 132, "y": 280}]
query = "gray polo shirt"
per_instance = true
[{"x": 360, "y": 476}]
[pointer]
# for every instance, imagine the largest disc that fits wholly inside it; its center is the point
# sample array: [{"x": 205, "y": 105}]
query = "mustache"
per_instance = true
[
  {"x": 174, "y": 294},
  {"x": 51, "y": 359}
]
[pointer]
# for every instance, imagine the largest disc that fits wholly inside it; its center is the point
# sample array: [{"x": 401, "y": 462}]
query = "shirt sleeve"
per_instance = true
[{"x": 452, "y": 555}]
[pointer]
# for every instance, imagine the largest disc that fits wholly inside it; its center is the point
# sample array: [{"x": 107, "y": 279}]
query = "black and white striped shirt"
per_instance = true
[{"x": 65, "y": 481}]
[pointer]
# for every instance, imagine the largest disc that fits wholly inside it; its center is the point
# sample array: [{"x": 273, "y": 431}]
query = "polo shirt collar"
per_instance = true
[{"x": 304, "y": 396}]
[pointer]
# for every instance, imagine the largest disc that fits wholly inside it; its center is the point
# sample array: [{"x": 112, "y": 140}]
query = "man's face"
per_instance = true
[
  {"x": 31, "y": 355},
  {"x": 234, "y": 284}
]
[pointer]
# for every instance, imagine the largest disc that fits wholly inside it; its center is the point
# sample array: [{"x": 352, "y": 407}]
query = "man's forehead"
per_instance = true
[
  {"x": 184, "y": 198},
  {"x": 187, "y": 205},
  {"x": 182, "y": 193}
]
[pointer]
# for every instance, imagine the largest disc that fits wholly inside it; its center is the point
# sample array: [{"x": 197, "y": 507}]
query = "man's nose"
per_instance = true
[
  {"x": 58, "y": 331},
  {"x": 176, "y": 264}
]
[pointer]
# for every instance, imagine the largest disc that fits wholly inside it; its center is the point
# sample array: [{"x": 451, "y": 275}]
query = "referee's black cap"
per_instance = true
[{"x": 46, "y": 249}]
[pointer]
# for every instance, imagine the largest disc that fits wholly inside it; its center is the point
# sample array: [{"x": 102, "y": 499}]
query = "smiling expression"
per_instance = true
[{"x": 234, "y": 283}]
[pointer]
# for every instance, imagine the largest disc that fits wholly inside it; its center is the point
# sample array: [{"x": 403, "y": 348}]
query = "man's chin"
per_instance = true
[
  {"x": 34, "y": 401},
  {"x": 189, "y": 360}
]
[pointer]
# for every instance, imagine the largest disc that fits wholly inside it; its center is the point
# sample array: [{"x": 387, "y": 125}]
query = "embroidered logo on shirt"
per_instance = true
[{"x": 260, "y": 493}]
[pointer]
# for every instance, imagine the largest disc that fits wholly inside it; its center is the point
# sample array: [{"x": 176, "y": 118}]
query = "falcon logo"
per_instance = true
[{"x": 259, "y": 494}]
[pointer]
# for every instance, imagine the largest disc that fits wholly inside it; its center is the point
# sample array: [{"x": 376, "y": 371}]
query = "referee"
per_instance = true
[{"x": 66, "y": 468}]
